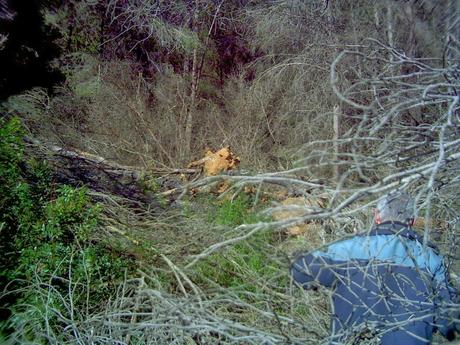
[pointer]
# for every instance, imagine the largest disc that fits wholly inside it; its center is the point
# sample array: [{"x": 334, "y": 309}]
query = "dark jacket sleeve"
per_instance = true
[
  {"x": 307, "y": 269},
  {"x": 449, "y": 320}
]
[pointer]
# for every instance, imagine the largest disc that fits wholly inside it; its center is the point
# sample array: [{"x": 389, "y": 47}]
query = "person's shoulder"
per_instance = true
[{"x": 393, "y": 228}]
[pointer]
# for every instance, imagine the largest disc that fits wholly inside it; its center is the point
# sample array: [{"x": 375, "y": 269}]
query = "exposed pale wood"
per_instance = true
[{"x": 171, "y": 192}]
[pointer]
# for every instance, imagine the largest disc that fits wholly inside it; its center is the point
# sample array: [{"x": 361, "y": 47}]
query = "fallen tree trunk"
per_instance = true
[{"x": 79, "y": 168}]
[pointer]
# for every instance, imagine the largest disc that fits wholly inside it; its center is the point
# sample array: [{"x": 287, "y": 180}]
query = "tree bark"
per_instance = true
[
  {"x": 390, "y": 26},
  {"x": 376, "y": 16},
  {"x": 452, "y": 28},
  {"x": 193, "y": 86},
  {"x": 79, "y": 169},
  {"x": 390, "y": 34},
  {"x": 336, "y": 126},
  {"x": 411, "y": 39}
]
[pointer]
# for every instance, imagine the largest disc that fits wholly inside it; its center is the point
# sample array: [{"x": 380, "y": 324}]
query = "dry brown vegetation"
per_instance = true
[{"x": 270, "y": 79}]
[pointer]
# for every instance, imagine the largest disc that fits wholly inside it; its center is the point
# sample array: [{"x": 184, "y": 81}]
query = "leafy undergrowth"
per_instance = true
[
  {"x": 48, "y": 233},
  {"x": 240, "y": 293},
  {"x": 247, "y": 266},
  {"x": 81, "y": 272}
]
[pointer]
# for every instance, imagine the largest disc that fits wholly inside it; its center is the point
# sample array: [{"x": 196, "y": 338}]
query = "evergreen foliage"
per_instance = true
[
  {"x": 29, "y": 49},
  {"x": 47, "y": 234}
]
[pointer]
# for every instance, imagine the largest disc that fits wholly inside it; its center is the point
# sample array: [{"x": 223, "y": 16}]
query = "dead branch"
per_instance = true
[{"x": 80, "y": 168}]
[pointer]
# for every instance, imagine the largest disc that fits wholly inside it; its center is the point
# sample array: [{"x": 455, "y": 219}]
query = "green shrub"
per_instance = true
[
  {"x": 236, "y": 212},
  {"x": 48, "y": 232},
  {"x": 245, "y": 266}
]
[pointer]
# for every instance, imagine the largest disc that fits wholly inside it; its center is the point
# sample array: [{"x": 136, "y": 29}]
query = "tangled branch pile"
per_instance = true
[{"x": 315, "y": 94}]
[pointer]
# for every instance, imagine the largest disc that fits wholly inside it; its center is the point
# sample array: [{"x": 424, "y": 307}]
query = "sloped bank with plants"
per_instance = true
[
  {"x": 52, "y": 264},
  {"x": 83, "y": 266}
]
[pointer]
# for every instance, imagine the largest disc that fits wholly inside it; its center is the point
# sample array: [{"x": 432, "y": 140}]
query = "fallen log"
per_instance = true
[{"x": 80, "y": 168}]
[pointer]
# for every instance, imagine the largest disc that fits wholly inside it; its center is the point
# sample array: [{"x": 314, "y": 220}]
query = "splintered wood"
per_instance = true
[
  {"x": 214, "y": 163},
  {"x": 313, "y": 231}
]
